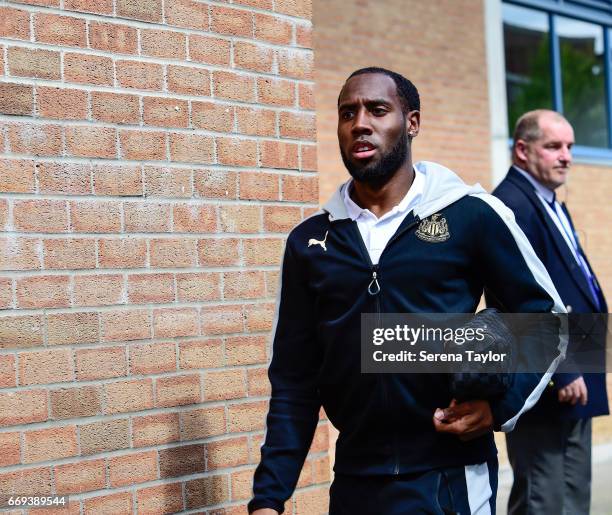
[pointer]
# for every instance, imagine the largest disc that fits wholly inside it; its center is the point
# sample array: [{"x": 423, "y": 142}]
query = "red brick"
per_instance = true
[
  {"x": 173, "y": 253},
  {"x": 169, "y": 323},
  {"x": 296, "y": 63},
  {"x": 38, "y": 140},
  {"x": 20, "y": 331},
  {"x": 19, "y": 253},
  {"x": 139, "y": 75},
  {"x": 95, "y": 216},
  {"x": 166, "y": 498},
  {"x": 234, "y": 86},
  {"x": 50, "y": 444},
  {"x": 303, "y": 35},
  {"x": 64, "y": 178},
  {"x": 17, "y": 176},
  {"x": 215, "y": 184},
  {"x": 8, "y": 376},
  {"x": 194, "y": 218},
  {"x": 276, "y": 154},
  {"x": 253, "y": 57},
  {"x": 6, "y": 298},
  {"x": 61, "y": 103},
  {"x": 117, "y": 180},
  {"x": 109, "y": 435},
  {"x": 24, "y": 407},
  {"x": 299, "y": 8},
  {"x": 51, "y": 291},
  {"x": 143, "y": 145},
  {"x": 122, "y": 253},
  {"x": 233, "y": 22},
  {"x": 150, "y": 288},
  {"x": 256, "y": 122},
  {"x": 240, "y": 218},
  {"x": 260, "y": 4},
  {"x": 14, "y": 23},
  {"x": 112, "y": 37},
  {"x": 16, "y": 99},
  {"x": 191, "y": 148},
  {"x": 100, "y": 363},
  {"x": 207, "y": 491},
  {"x": 37, "y": 63},
  {"x": 155, "y": 429},
  {"x": 10, "y": 448},
  {"x": 273, "y": 29},
  {"x": 277, "y": 92},
  {"x": 297, "y": 126},
  {"x": 69, "y": 254},
  {"x": 147, "y": 217},
  {"x": 71, "y": 508},
  {"x": 34, "y": 481},
  {"x": 48, "y": 366},
  {"x": 108, "y": 504},
  {"x": 163, "y": 43},
  {"x": 115, "y": 107},
  {"x": 267, "y": 252},
  {"x": 167, "y": 182},
  {"x": 59, "y": 30},
  {"x": 90, "y": 6},
  {"x": 165, "y": 112},
  {"x": 187, "y": 13},
  {"x": 201, "y": 354},
  {"x": 227, "y": 453},
  {"x": 89, "y": 141},
  {"x": 224, "y": 384},
  {"x": 222, "y": 319},
  {"x": 197, "y": 287},
  {"x": 306, "y": 98},
  {"x": 125, "y": 396},
  {"x": 153, "y": 358},
  {"x": 133, "y": 468},
  {"x": 272, "y": 282},
  {"x": 259, "y": 186},
  {"x": 258, "y": 383},
  {"x": 181, "y": 461},
  {"x": 202, "y": 423},
  {"x": 146, "y": 10},
  {"x": 98, "y": 290},
  {"x": 76, "y": 402},
  {"x": 88, "y": 69},
  {"x": 125, "y": 325},
  {"x": 188, "y": 80},
  {"x": 300, "y": 189},
  {"x": 247, "y": 417},
  {"x": 72, "y": 328},
  {"x": 207, "y": 50},
  {"x": 177, "y": 390},
  {"x": 308, "y": 157},
  {"x": 321, "y": 469},
  {"x": 80, "y": 477},
  {"x": 219, "y": 252},
  {"x": 212, "y": 116},
  {"x": 242, "y": 485},
  {"x": 237, "y": 152},
  {"x": 246, "y": 350},
  {"x": 47, "y": 3}
]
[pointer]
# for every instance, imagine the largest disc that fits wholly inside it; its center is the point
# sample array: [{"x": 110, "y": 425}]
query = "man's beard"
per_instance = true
[{"x": 379, "y": 173}]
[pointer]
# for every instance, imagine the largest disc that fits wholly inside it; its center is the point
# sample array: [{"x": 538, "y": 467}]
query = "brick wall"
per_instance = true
[{"x": 154, "y": 155}]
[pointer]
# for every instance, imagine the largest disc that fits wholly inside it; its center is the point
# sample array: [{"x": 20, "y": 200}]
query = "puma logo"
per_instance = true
[{"x": 313, "y": 241}]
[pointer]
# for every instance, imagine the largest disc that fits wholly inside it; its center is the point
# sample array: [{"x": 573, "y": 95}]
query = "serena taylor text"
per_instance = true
[{"x": 428, "y": 356}]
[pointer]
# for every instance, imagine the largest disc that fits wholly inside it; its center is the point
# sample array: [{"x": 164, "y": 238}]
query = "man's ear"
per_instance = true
[
  {"x": 520, "y": 150},
  {"x": 413, "y": 123}
]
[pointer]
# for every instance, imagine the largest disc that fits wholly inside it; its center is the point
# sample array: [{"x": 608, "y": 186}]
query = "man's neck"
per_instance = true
[{"x": 382, "y": 199}]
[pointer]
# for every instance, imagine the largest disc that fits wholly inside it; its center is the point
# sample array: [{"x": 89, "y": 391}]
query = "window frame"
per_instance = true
[{"x": 600, "y": 15}]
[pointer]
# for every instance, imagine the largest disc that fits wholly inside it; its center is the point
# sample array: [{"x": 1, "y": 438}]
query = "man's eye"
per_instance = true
[
  {"x": 379, "y": 111},
  {"x": 346, "y": 115}
]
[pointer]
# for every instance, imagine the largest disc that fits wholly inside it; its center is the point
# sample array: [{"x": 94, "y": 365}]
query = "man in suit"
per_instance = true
[{"x": 550, "y": 447}]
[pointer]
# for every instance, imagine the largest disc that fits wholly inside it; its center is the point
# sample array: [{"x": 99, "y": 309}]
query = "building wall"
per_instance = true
[{"x": 154, "y": 155}]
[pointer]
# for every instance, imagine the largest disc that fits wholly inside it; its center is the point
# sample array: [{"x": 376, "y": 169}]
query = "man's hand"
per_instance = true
[
  {"x": 574, "y": 392},
  {"x": 265, "y": 511},
  {"x": 468, "y": 420}
]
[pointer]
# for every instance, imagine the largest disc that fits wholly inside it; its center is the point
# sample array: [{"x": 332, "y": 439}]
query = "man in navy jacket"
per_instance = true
[
  {"x": 396, "y": 238},
  {"x": 550, "y": 448}
]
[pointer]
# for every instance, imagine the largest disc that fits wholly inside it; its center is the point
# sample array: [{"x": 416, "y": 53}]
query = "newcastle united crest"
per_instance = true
[{"x": 433, "y": 229}]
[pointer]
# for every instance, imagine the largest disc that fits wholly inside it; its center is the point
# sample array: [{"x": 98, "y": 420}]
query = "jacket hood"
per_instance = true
[{"x": 442, "y": 188}]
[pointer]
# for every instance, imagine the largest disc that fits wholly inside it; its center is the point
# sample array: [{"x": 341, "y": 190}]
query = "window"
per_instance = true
[{"x": 557, "y": 56}]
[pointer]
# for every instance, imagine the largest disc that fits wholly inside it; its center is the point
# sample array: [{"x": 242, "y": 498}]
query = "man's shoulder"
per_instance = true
[{"x": 313, "y": 226}]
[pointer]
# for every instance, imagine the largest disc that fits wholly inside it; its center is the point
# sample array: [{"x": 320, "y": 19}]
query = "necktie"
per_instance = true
[{"x": 593, "y": 288}]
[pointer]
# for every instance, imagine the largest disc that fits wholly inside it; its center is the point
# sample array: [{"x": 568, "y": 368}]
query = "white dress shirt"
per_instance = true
[{"x": 376, "y": 232}]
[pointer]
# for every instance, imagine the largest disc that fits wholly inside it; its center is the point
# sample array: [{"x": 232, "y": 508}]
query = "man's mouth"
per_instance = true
[{"x": 363, "y": 150}]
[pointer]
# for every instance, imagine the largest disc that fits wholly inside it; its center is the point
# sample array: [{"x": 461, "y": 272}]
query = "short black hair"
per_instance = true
[{"x": 406, "y": 90}]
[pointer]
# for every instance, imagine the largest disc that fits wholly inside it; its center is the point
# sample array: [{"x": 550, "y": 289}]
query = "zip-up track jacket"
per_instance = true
[{"x": 385, "y": 420}]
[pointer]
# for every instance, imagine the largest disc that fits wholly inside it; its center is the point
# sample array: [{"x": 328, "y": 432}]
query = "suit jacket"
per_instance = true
[{"x": 550, "y": 246}]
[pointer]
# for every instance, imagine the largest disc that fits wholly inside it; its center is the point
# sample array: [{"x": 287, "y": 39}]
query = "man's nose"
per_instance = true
[
  {"x": 361, "y": 122},
  {"x": 566, "y": 155}
]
